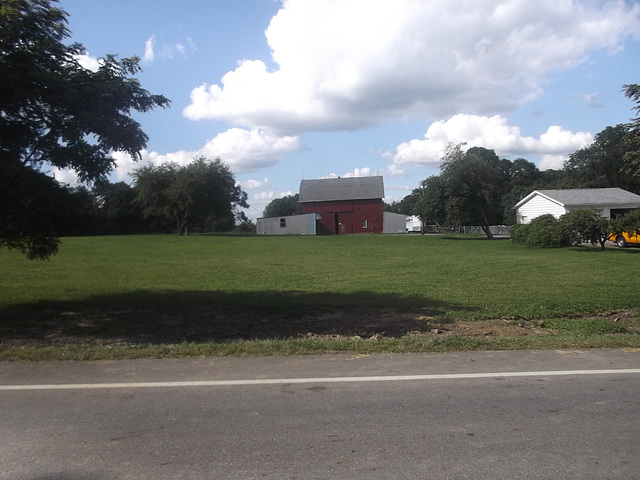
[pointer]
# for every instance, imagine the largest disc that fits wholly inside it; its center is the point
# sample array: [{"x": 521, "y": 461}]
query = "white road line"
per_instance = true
[{"x": 283, "y": 381}]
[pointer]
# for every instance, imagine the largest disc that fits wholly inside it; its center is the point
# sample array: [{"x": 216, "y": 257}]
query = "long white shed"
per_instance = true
[{"x": 304, "y": 224}]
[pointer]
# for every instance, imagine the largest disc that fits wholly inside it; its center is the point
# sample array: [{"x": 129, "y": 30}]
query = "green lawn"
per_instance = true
[{"x": 223, "y": 288}]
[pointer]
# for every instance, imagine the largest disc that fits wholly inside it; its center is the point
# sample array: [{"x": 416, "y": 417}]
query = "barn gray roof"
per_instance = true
[
  {"x": 332, "y": 189},
  {"x": 587, "y": 196}
]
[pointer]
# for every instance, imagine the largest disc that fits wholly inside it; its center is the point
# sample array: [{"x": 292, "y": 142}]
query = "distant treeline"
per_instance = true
[{"x": 479, "y": 178}]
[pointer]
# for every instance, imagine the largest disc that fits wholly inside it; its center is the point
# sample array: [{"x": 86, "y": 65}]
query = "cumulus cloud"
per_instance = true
[
  {"x": 254, "y": 184},
  {"x": 494, "y": 133},
  {"x": 249, "y": 150},
  {"x": 242, "y": 150},
  {"x": 347, "y": 64}
]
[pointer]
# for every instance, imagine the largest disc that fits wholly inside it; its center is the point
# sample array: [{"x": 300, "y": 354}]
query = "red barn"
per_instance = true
[{"x": 344, "y": 205}]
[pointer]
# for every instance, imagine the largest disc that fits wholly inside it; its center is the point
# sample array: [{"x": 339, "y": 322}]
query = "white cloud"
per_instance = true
[
  {"x": 494, "y": 133},
  {"x": 149, "y": 54},
  {"x": 553, "y": 162},
  {"x": 346, "y": 64},
  {"x": 264, "y": 198},
  {"x": 592, "y": 100},
  {"x": 254, "y": 184},
  {"x": 88, "y": 62},
  {"x": 167, "y": 50},
  {"x": 249, "y": 150},
  {"x": 65, "y": 176},
  {"x": 392, "y": 170},
  {"x": 242, "y": 150},
  {"x": 358, "y": 172}
]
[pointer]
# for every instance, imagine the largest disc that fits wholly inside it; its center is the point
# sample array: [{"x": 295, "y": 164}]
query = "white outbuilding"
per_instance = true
[{"x": 608, "y": 201}]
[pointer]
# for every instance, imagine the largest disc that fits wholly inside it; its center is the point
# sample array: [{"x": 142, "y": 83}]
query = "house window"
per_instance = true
[
  {"x": 283, "y": 223},
  {"x": 365, "y": 224}
]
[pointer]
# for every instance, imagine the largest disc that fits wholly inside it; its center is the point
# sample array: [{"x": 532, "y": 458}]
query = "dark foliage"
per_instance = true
[
  {"x": 201, "y": 196},
  {"x": 546, "y": 231},
  {"x": 54, "y": 112},
  {"x": 282, "y": 207}
]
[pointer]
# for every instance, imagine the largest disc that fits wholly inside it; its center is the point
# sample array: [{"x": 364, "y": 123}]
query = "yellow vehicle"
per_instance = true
[{"x": 626, "y": 238}]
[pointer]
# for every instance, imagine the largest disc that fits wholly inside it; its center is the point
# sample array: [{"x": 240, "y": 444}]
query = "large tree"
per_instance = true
[
  {"x": 202, "y": 194},
  {"x": 473, "y": 183},
  {"x": 605, "y": 163},
  {"x": 56, "y": 113},
  {"x": 430, "y": 201},
  {"x": 632, "y": 156},
  {"x": 470, "y": 189}
]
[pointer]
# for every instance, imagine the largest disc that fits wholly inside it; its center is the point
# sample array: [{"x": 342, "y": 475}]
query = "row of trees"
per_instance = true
[
  {"x": 477, "y": 187},
  {"x": 200, "y": 196},
  {"x": 56, "y": 113}
]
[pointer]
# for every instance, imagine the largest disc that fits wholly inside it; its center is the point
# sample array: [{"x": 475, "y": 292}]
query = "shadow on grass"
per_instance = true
[
  {"x": 469, "y": 237},
  {"x": 200, "y": 316},
  {"x": 609, "y": 249}
]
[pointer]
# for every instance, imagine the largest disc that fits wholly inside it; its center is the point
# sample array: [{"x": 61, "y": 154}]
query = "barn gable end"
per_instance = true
[{"x": 344, "y": 205}]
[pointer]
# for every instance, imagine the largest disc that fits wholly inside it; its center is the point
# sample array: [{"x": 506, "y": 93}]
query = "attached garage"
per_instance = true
[{"x": 608, "y": 201}]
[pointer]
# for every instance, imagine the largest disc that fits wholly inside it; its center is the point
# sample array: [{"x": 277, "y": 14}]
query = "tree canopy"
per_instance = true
[
  {"x": 202, "y": 194},
  {"x": 605, "y": 162},
  {"x": 280, "y": 207},
  {"x": 468, "y": 190},
  {"x": 632, "y": 156},
  {"x": 56, "y": 113}
]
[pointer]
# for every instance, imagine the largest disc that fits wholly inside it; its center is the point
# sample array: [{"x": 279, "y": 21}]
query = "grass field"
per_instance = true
[{"x": 139, "y": 292}]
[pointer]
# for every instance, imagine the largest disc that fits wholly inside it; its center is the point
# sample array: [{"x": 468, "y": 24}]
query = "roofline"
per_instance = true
[{"x": 536, "y": 192}]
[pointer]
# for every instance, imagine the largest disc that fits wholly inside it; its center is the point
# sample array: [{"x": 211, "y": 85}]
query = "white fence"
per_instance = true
[{"x": 498, "y": 230}]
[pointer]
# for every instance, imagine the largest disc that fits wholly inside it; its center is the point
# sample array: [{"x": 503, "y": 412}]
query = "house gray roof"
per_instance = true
[
  {"x": 586, "y": 196},
  {"x": 335, "y": 189}
]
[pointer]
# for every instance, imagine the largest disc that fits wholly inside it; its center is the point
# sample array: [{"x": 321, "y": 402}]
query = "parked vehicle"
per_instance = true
[{"x": 626, "y": 238}]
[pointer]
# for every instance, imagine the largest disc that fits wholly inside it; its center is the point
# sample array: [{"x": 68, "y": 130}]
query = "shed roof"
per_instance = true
[
  {"x": 335, "y": 189},
  {"x": 585, "y": 197}
]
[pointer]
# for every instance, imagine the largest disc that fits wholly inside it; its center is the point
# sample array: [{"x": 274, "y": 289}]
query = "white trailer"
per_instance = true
[{"x": 413, "y": 224}]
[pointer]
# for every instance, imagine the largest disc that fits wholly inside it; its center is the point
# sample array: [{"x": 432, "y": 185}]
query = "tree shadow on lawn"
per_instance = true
[
  {"x": 471, "y": 238},
  {"x": 200, "y": 316}
]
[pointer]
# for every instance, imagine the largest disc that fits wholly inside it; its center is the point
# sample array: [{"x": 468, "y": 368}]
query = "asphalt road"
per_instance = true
[{"x": 479, "y": 415}]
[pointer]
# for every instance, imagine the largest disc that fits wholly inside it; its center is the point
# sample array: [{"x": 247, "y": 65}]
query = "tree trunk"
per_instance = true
[
  {"x": 485, "y": 224},
  {"x": 183, "y": 228}
]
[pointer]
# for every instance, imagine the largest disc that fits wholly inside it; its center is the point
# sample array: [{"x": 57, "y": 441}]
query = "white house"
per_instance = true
[{"x": 608, "y": 201}]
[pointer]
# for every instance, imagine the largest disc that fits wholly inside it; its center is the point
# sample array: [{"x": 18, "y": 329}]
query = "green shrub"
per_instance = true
[
  {"x": 586, "y": 226},
  {"x": 546, "y": 231},
  {"x": 629, "y": 222},
  {"x": 519, "y": 233}
]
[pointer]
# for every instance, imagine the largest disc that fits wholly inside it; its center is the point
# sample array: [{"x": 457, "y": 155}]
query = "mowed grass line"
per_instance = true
[{"x": 259, "y": 279}]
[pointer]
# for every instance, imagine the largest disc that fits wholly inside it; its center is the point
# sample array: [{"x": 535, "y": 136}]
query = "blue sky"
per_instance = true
[{"x": 286, "y": 90}]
